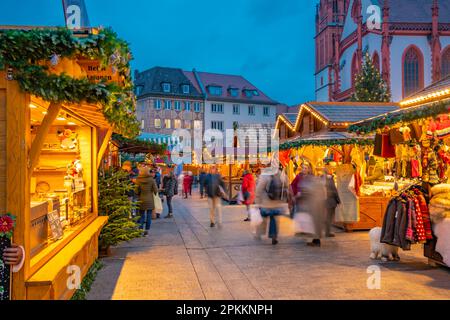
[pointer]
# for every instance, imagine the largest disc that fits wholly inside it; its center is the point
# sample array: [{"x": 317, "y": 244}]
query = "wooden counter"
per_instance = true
[{"x": 371, "y": 213}]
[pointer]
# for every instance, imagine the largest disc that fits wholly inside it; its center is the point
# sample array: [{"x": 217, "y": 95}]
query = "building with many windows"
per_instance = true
[
  {"x": 408, "y": 40},
  {"x": 167, "y": 100},
  {"x": 232, "y": 100}
]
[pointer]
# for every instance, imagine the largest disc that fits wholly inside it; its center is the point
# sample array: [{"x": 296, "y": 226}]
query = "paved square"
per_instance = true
[{"x": 183, "y": 258}]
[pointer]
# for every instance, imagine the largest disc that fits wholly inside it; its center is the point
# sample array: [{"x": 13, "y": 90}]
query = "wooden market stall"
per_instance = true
[
  {"x": 346, "y": 155},
  {"x": 416, "y": 139},
  {"x": 318, "y": 126},
  {"x": 55, "y": 126}
]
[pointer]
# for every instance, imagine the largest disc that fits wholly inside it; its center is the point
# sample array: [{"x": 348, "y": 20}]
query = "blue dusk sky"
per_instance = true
[{"x": 269, "y": 42}]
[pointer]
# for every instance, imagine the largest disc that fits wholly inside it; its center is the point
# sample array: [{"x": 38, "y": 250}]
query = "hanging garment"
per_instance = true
[
  {"x": 395, "y": 136},
  {"x": 383, "y": 147},
  {"x": 388, "y": 229},
  {"x": 348, "y": 210},
  {"x": 420, "y": 230},
  {"x": 416, "y": 131},
  {"x": 425, "y": 215}
]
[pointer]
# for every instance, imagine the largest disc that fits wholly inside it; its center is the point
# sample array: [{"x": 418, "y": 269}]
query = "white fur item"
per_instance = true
[{"x": 381, "y": 250}]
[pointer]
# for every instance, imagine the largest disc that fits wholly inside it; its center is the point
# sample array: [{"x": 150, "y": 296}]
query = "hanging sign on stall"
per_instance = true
[{"x": 97, "y": 73}]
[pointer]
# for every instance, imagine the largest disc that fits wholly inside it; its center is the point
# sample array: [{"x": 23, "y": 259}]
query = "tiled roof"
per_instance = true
[
  {"x": 292, "y": 117},
  {"x": 418, "y": 11},
  {"x": 226, "y": 82},
  {"x": 351, "y": 112},
  {"x": 437, "y": 86},
  {"x": 151, "y": 82}
]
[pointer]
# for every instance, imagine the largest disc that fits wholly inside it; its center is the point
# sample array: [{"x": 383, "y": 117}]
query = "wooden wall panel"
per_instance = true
[
  {"x": 2, "y": 150},
  {"x": 17, "y": 177}
]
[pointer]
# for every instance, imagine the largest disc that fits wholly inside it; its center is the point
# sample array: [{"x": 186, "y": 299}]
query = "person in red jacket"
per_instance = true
[
  {"x": 248, "y": 191},
  {"x": 187, "y": 183}
]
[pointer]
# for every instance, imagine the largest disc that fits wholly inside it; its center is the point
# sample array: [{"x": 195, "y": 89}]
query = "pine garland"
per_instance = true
[
  {"x": 369, "y": 86},
  {"x": 403, "y": 116},
  {"x": 27, "y": 51},
  {"x": 326, "y": 143}
]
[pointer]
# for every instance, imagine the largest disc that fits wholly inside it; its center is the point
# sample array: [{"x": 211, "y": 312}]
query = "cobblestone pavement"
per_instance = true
[{"x": 183, "y": 258}]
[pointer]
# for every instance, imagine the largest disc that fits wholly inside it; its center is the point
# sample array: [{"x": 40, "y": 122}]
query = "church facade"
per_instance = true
[{"x": 408, "y": 40}]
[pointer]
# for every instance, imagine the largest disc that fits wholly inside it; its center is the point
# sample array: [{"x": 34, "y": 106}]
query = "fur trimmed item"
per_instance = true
[{"x": 440, "y": 188}]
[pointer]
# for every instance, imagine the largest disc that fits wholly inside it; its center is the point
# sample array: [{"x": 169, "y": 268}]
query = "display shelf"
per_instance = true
[
  {"x": 50, "y": 171},
  {"x": 60, "y": 152}
]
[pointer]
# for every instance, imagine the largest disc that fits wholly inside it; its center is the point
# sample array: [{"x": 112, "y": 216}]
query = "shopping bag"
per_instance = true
[
  {"x": 304, "y": 224},
  {"x": 158, "y": 204},
  {"x": 255, "y": 217},
  {"x": 240, "y": 197}
]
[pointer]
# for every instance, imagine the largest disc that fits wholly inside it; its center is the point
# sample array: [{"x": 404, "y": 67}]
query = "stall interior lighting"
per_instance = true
[{"x": 32, "y": 106}]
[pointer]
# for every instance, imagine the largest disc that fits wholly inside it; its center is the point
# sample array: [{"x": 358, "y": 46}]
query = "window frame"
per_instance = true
[
  {"x": 251, "y": 107},
  {"x": 197, "y": 107},
  {"x": 420, "y": 70},
  {"x": 159, "y": 121},
  {"x": 157, "y": 104},
  {"x": 167, "y": 102},
  {"x": 177, "y": 102},
  {"x": 169, "y": 86},
  {"x": 167, "y": 121},
  {"x": 188, "y": 88},
  {"x": 187, "y": 106},
  {"x": 236, "y": 109},
  {"x": 215, "y": 125},
  {"x": 266, "y": 114},
  {"x": 216, "y": 110}
]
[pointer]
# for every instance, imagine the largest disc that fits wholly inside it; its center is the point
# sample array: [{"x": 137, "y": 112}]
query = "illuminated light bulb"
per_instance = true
[
  {"x": 60, "y": 118},
  {"x": 32, "y": 106},
  {"x": 71, "y": 123},
  {"x": 44, "y": 112}
]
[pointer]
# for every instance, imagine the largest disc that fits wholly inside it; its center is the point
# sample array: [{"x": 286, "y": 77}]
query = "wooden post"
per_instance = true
[
  {"x": 52, "y": 114},
  {"x": 94, "y": 170},
  {"x": 103, "y": 147},
  {"x": 18, "y": 139}
]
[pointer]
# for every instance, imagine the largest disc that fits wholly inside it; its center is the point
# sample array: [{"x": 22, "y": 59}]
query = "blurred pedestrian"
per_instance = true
[
  {"x": 191, "y": 182},
  {"x": 332, "y": 201},
  {"x": 146, "y": 191},
  {"x": 310, "y": 200},
  {"x": 187, "y": 182},
  {"x": 170, "y": 188},
  {"x": 201, "y": 179},
  {"x": 269, "y": 199},
  {"x": 248, "y": 191},
  {"x": 215, "y": 187}
]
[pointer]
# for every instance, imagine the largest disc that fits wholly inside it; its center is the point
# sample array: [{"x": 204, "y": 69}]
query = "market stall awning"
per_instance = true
[
  {"x": 330, "y": 138},
  {"x": 158, "y": 138},
  {"x": 438, "y": 91},
  {"x": 406, "y": 115}
]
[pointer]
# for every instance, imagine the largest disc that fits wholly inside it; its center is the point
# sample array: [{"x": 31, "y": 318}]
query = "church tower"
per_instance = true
[{"x": 330, "y": 18}]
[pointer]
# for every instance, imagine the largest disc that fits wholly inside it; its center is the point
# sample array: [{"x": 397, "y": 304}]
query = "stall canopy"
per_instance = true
[
  {"x": 159, "y": 139},
  {"x": 330, "y": 138},
  {"x": 430, "y": 102}
]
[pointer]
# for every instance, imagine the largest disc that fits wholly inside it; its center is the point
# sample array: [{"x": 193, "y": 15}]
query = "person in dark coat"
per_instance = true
[
  {"x": 332, "y": 201},
  {"x": 201, "y": 180},
  {"x": 170, "y": 187},
  {"x": 146, "y": 190},
  {"x": 213, "y": 185}
]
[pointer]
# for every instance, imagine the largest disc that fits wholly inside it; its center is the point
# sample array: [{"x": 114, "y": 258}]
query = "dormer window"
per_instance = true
[
  {"x": 215, "y": 90},
  {"x": 234, "y": 92},
  {"x": 139, "y": 90},
  {"x": 185, "y": 88},
  {"x": 249, "y": 93},
  {"x": 166, "y": 87}
]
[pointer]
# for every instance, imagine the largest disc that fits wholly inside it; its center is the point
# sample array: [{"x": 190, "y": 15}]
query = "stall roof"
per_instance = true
[
  {"x": 437, "y": 91},
  {"x": 328, "y": 138},
  {"x": 349, "y": 112},
  {"x": 291, "y": 117}
]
